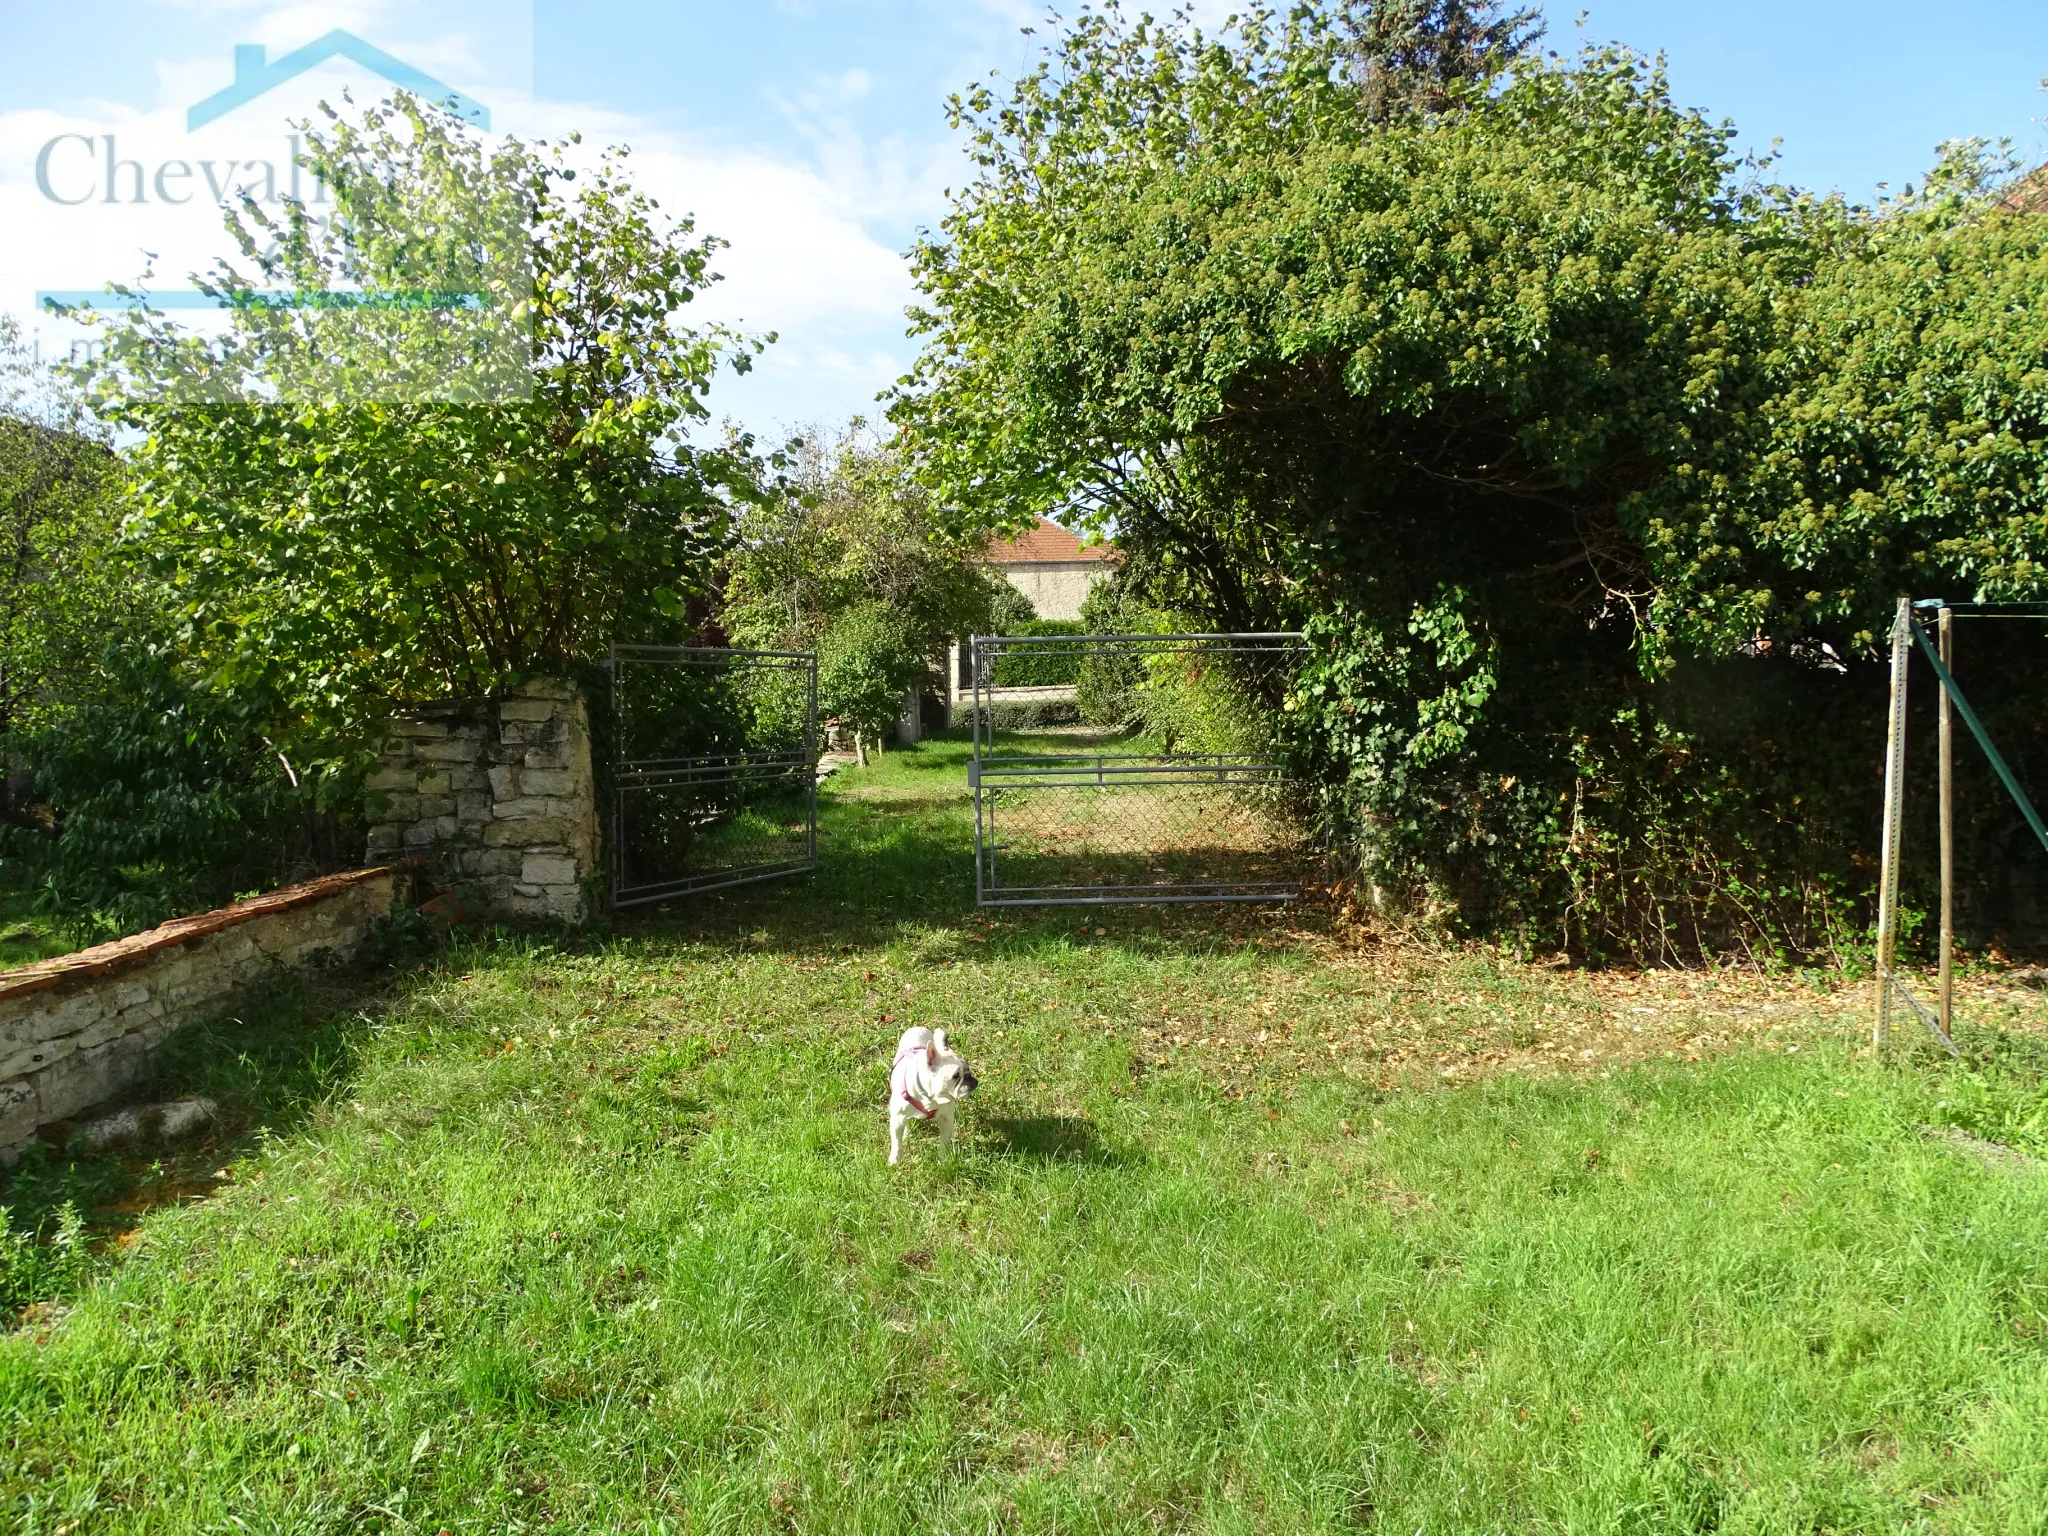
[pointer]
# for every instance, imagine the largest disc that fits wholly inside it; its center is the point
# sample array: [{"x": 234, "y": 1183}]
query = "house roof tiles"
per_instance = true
[{"x": 1046, "y": 544}]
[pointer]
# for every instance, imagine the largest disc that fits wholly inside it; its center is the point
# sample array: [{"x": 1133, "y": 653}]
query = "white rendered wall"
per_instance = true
[{"x": 1056, "y": 588}]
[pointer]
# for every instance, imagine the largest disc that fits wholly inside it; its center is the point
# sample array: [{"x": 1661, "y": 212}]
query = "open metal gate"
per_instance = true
[
  {"x": 1114, "y": 769},
  {"x": 714, "y": 768}
]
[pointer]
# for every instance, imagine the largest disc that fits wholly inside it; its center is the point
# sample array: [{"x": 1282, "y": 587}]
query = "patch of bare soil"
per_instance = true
[{"x": 1996, "y": 1153}]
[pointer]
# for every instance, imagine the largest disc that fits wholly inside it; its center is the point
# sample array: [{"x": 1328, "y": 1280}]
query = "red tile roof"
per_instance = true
[
  {"x": 2029, "y": 194},
  {"x": 1046, "y": 543}
]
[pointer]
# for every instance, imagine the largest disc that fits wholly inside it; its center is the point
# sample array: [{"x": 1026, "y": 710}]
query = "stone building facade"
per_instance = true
[{"x": 1050, "y": 567}]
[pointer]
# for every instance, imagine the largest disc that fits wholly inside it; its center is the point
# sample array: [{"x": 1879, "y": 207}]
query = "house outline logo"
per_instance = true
[{"x": 255, "y": 74}]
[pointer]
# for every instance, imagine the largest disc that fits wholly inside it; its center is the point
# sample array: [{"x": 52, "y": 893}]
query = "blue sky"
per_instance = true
[
  {"x": 811, "y": 133},
  {"x": 1859, "y": 93}
]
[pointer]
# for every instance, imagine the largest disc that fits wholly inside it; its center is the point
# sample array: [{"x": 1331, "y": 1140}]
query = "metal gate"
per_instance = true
[
  {"x": 714, "y": 768},
  {"x": 1134, "y": 768}
]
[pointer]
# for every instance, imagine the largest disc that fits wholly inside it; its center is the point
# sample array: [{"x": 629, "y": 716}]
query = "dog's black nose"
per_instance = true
[{"x": 967, "y": 1081}]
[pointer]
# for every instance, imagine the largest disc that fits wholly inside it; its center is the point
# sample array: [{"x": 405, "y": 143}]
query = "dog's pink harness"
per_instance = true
[{"x": 901, "y": 1058}]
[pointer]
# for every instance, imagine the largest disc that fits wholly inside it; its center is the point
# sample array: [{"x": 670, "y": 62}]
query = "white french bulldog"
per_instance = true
[{"x": 927, "y": 1082}]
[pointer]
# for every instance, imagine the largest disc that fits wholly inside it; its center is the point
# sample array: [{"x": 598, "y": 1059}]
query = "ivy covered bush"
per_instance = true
[
  {"x": 1590, "y": 460},
  {"x": 1022, "y": 668}
]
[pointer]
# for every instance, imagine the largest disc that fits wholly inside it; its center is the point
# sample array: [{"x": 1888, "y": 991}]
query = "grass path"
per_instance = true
[{"x": 1254, "y": 1228}]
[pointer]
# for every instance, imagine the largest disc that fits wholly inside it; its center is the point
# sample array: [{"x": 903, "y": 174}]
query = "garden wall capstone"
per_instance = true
[
  {"x": 497, "y": 799},
  {"x": 78, "y": 1029}
]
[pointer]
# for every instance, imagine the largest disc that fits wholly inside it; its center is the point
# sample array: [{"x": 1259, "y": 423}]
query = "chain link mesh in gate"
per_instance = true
[
  {"x": 714, "y": 778},
  {"x": 1134, "y": 768}
]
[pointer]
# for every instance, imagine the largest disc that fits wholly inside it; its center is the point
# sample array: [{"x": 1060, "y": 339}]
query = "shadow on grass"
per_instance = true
[
  {"x": 1050, "y": 1139},
  {"x": 896, "y": 861},
  {"x": 266, "y": 1063}
]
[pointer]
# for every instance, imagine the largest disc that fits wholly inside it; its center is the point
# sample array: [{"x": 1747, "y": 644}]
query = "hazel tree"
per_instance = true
[{"x": 444, "y": 436}]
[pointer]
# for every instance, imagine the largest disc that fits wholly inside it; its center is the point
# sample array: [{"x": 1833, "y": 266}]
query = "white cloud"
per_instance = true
[
  {"x": 814, "y": 232},
  {"x": 892, "y": 180},
  {"x": 798, "y": 256},
  {"x": 469, "y": 43},
  {"x": 804, "y": 259}
]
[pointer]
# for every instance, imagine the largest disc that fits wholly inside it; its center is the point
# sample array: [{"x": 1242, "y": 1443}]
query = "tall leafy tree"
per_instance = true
[
  {"x": 444, "y": 436},
  {"x": 62, "y": 587},
  {"x": 848, "y": 524},
  {"x": 1414, "y": 55},
  {"x": 1590, "y": 460},
  {"x": 850, "y": 557}
]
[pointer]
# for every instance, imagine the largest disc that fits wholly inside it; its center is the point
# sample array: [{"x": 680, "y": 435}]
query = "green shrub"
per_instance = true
[
  {"x": 867, "y": 661},
  {"x": 1009, "y": 610},
  {"x": 1109, "y": 678},
  {"x": 1032, "y": 669},
  {"x": 32, "y": 1270},
  {"x": 167, "y": 798}
]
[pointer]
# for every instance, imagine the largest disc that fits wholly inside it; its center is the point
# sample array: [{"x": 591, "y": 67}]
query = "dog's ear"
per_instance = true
[{"x": 939, "y": 1043}]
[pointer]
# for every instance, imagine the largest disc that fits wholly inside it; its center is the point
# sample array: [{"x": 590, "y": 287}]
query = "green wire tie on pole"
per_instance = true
[{"x": 1998, "y": 763}]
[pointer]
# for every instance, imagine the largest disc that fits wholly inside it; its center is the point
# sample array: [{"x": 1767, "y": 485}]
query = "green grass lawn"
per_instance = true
[
  {"x": 27, "y": 935},
  {"x": 1254, "y": 1227}
]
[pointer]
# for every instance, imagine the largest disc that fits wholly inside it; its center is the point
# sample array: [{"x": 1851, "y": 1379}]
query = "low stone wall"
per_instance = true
[
  {"x": 78, "y": 1029},
  {"x": 497, "y": 798}
]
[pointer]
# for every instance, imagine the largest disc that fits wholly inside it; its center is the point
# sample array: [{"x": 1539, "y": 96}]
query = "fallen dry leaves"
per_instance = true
[{"x": 1397, "y": 1011}]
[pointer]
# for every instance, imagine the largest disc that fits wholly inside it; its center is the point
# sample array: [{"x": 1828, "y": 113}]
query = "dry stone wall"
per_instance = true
[
  {"x": 76, "y": 1030},
  {"x": 497, "y": 799}
]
